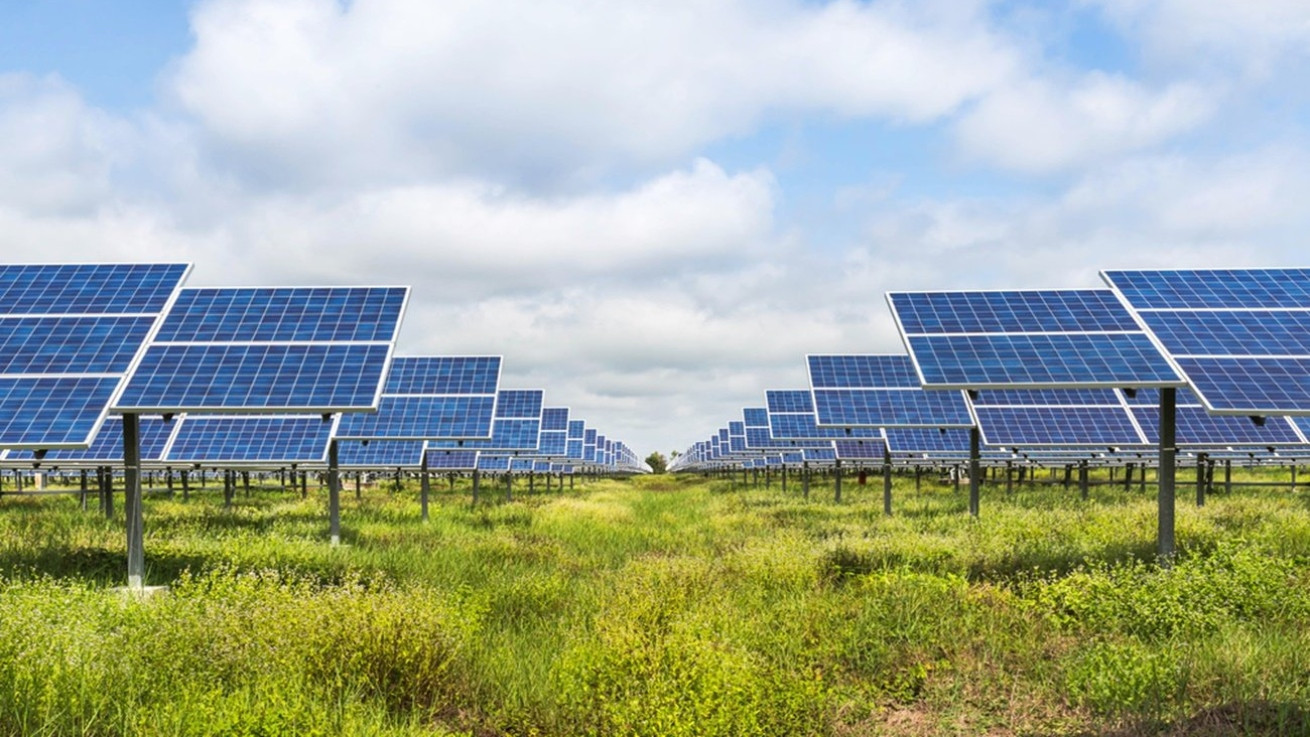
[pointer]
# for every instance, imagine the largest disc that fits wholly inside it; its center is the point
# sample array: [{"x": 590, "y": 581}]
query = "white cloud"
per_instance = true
[
  {"x": 298, "y": 91},
  {"x": 1042, "y": 126},
  {"x": 1251, "y": 34}
]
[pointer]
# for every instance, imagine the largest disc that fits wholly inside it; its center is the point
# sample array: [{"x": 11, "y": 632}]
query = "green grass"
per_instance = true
[{"x": 662, "y": 606}]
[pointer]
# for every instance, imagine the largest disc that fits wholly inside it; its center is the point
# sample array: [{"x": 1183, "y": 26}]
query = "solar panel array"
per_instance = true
[
  {"x": 1241, "y": 337},
  {"x": 70, "y": 335}
]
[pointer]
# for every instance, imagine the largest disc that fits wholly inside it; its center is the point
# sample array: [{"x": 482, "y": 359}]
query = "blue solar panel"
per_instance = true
[
  {"x": 313, "y": 377},
  {"x": 1195, "y": 426},
  {"x": 519, "y": 404},
  {"x": 443, "y": 375},
  {"x": 922, "y": 440},
  {"x": 541, "y": 466},
  {"x": 1232, "y": 333},
  {"x": 52, "y": 412},
  {"x": 553, "y": 443},
  {"x": 793, "y": 458},
  {"x": 1268, "y": 386},
  {"x": 789, "y": 401},
  {"x": 380, "y": 453},
  {"x": 522, "y": 465},
  {"x": 860, "y": 450},
  {"x": 329, "y": 314},
  {"x": 253, "y": 439},
  {"x": 798, "y": 426},
  {"x": 68, "y": 335},
  {"x": 88, "y": 345},
  {"x": 88, "y": 289},
  {"x": 862, "y": 371},
  {"x": 1025, "y": 426},
  {"x": 577, "y": 428},
  {"x": 574, "y": 449},
  {"x": 890, "y": 408},
  {"x": 819, "y": 455},
  {"x": 422, "y": 418},
  {"x": 977, "y": 361},
  {"x": 1064, "y": 397},
  {"x": 452, "y": 460},
  {"x": 493, "y": 463},
  {"x": 1066, "y": 310},
  {"x": 1241, "y": 336},
  {"x": 590, "y": 436},
  {"x": 269, "y": 350},
  {"x": 108, "y": 444},
  {"x": 555, "y": 418},
  {"x": 736, "y": 428},
  {"x": 506, "y": 435},
  {"x": 1213, "y": 288},
  {"x": 756, "y": 417}
]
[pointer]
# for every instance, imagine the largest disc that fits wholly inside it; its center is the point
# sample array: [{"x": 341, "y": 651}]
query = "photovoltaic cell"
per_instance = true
[
  {"x": 214, "y": 378},
  {"x": 320, "y": 350},
  {"x": 860, "y": 450},
  {"x": 519, "y": 404},
  {"x": 406, "y": 417},
  {"x": 894, "y": 408},
  {"x": 88, "y": 289},
  {"x": 108, "y": 444},
  {"x": 756, "y": 417},
  {"x": 554, "y": 418},
  {"x": 1195, "y": 426},
  {"x": 493, "y": 463},
  {"x": 977, "y": 361},
  {"x": 553, "y": 443},
  {"x": 506, "y": 435},
  {"x": 250, "y": 439},
  {"x": 577, "y": 428},
  {"x": 923, "y": 440},
  {"x": 380, "y": 453},
  {"x": 1052, "y": 311},
  {"x": 1027, "y": 339},
  {"x": 1031, "y": 426},
  {"x": 862, "y": 372},
  {"x": 443, "y": 375},
  {"x": 1241, "y": 336},
  {"x": 68, "y": 335},
  {"x": 452, "y": 460},
  {"x": 50, "y": 412},
  {"x": 331, "y": 314}
]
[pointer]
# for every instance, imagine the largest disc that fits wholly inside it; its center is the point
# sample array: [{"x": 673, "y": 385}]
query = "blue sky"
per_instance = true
[{"x": 655, "y": 211}]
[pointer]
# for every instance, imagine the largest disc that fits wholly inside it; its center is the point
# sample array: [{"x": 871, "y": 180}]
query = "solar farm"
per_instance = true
[{"x": 1054, "y": 512}]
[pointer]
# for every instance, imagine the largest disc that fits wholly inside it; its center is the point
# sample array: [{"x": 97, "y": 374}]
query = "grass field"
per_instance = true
[{"x": 662, "y": 606}]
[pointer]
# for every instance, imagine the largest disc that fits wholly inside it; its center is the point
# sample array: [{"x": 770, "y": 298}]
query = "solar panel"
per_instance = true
[
  {"x": 493, "y": 463},
  {"x": 924, "y": 440},
  {"x": 108, "y": 444},
  {"x": 422, "y": 418},
  {"x": 1240, "y": 336},
  {"x": 577, "y": 428},
  {"x": 69, "y": 335},
  {"x": 553, "y": 443},
  {"x": 319, "y": 350},
  {"x": 555, "y": 419},
  {"x": 255, "y": 439},
  {"x": 519, "y": 404},
  {"x": 506, "y": 435},
  {"x": 429, "y": 375},
  {"x": 860, "y": 450},
  {"x": 1027, "y": 339},
  {"x": 1055, "y": 417},
  {"x": 854, "y": 391},
  {"x": 452, "y": 460},
  {"x": 380, "y": 453}
]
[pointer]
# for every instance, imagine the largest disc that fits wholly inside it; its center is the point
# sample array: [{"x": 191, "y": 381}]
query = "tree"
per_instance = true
[{"x": 657, "y": 462}]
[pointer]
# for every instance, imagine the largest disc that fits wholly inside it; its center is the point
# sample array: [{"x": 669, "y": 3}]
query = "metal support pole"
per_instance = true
[
  {"x": 1128, "y": 477},
  {"x": 136, "y": 555},
  {"x": 1165, "y": 496},
  {"x": 837, "y": 478},
  {"x": 1200, "y": 479},
  {"x": 425, "y": 485},
  {"x": 1228, "y": 476},
  {"x": 784, "y": 478},
  {"x": 532, "y": 483},
  {"x": 918, "y": 471},
  {"x": 304, "y": 484},
  {"x": 359, "y": 484},
  {"x": 1082, "y": 479},
  {"x": 509, "y": 486},
  {"x": 975, "y": 456},
  {"x": 805, "y": 479},
  {"x": 83, "y": 487},
  {"x": 107, "y": 491},
  {"x": 886, "y": 482},
  {"x": 1009, "y": 478},
  {"x": 334, "y": 494},
  {"x": 477, "y": 482}
]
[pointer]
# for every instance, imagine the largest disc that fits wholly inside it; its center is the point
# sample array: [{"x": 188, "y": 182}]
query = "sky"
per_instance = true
[{"x": 654, "y": 211}]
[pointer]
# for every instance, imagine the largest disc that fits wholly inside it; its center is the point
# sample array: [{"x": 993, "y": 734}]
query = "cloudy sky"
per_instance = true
[{"x": 655, "y": 210}]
